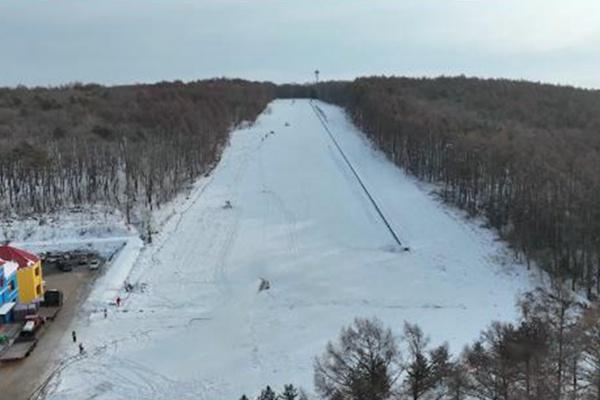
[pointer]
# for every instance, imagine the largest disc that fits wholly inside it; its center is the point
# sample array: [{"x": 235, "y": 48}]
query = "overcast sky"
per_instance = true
[{"x": 122, "y": 41}]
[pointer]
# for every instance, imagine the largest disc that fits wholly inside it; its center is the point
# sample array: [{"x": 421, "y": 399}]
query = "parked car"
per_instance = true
[{"x": 33, "y": 323}]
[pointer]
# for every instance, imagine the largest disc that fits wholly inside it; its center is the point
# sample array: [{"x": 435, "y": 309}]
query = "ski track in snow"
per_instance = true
[{"x": 201, "y": 329}]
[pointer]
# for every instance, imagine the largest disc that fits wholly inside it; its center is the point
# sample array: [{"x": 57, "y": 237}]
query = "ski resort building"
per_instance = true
[
  {"x": 9, "y": 289},
  {"x": 29, "y": 273}
]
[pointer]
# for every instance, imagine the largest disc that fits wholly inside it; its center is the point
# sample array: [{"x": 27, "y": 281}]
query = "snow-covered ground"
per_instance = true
[
  {"x": 201, "y": 329},
  {"x": 67, "y": 230}
]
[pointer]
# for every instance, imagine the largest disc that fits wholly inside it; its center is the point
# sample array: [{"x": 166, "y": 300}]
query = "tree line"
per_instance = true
[
  {"x": 128, "y": 147},
  {"x": 526, "y": 156},
  {"x": 551, "y": 353}
]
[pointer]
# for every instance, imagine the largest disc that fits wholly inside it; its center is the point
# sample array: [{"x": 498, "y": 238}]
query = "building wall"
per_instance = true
[
  {"x": 31, "y": 283},
  {"x": 9, "y": 291}
]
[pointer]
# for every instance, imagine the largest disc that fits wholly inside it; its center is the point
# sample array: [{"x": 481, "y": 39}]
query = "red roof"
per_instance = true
[{"x": 21, "y": 257}]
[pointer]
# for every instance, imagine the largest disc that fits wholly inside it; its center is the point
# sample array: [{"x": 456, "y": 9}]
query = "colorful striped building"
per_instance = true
[
  {"x": 9, "y": 289},
  {"x": 29, "y": 273}
]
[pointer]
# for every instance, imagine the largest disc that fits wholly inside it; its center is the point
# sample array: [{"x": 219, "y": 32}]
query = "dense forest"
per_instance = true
[
  {"x": 525, "y": 156},
  {"x": 129, "y": 147},
  {"x": 551, "y": 353}
]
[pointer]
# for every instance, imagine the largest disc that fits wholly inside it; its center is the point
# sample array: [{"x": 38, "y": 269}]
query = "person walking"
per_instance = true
[
  {"x": 81, "y": 349},
  {"x": 118, "y": 301},
  {"x": 74, "y": 336},
  {"x": 105, "y": 313}
]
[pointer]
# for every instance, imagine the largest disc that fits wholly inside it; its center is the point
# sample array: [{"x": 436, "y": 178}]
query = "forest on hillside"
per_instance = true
[
  {"x": 128, "y": 147},
  {"x": 525, "y": 156}
]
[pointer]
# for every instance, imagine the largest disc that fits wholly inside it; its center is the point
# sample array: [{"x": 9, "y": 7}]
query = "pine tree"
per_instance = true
[
  {"x": 289, "y": 393},
  {"x": 267, "y": 394},
  {"x": 426, "y": 370}
]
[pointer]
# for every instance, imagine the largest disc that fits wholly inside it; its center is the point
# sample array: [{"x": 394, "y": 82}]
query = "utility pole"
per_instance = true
[{"x": 317, "y": 76}]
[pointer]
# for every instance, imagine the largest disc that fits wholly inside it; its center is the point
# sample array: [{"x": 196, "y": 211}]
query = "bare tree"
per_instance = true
[
  {"x": 363, "y": 365},
  {"x": 457, "y": 383},
  {"x": 591, "y": 353},
  {"x": 493, "y": 374},
  {"x": 128, "y": 147},
  {"x": 559, "y": 311}
]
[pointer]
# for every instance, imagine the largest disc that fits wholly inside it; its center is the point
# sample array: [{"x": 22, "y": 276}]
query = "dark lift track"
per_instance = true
[{"x": 360, "y": 181}]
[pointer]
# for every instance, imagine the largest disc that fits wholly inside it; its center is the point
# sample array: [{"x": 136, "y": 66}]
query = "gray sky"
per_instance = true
[{"x": 122, "y": 41}]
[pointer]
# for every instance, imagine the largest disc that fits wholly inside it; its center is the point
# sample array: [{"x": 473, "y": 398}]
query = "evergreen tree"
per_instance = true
[
  {"x": 426, "y": 370},
  {"x": 289, "y": 393},
  {"x": 267, "y": 394},
  {"x": 362, "y": 365}
]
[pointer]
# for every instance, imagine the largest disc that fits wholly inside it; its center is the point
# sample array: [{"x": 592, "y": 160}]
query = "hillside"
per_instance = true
[
  {"x": 130, "y": 148},
  {"x": 525, "y": 156},
  {"x": 201, "y": 329}
]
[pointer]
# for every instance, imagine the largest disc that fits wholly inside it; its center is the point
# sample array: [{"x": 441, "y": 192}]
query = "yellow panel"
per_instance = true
[{"x": 28, "y": 282}]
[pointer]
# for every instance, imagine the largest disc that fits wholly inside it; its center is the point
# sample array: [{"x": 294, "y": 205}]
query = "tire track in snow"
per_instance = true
[
  {"x": 290, "y": 221},
  {"x": 53, "y": 380},
  {"x": 220, "y": 271}
]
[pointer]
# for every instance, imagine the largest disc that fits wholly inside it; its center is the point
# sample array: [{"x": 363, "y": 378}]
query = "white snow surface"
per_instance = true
[
  {"x": 63, "y": 227},
  {"x": 201, "y": 329}
]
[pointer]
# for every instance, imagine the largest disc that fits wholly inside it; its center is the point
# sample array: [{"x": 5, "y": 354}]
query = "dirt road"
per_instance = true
[{"x": 18, "y": 380}]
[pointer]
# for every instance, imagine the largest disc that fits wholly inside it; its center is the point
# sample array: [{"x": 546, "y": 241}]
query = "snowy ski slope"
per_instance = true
[{"x": 201, "y": 329}]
